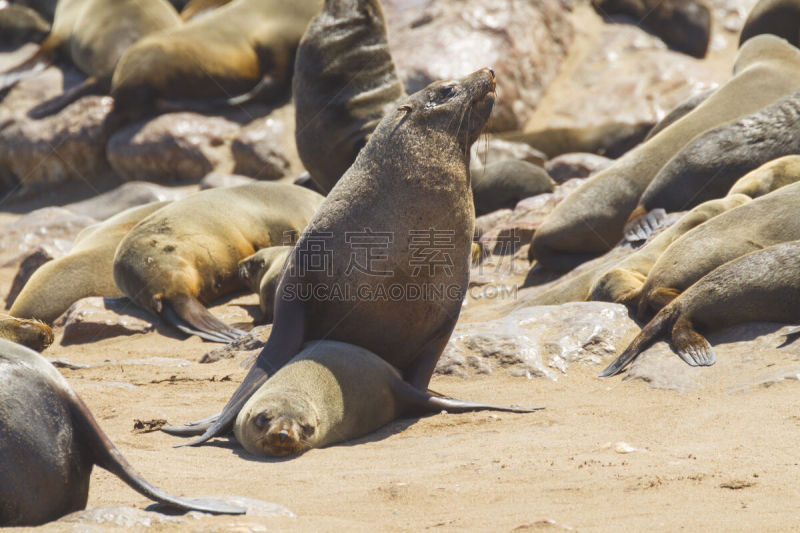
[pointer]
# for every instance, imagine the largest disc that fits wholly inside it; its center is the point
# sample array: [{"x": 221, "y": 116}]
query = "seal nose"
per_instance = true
[{"x": 283, "y": 436}]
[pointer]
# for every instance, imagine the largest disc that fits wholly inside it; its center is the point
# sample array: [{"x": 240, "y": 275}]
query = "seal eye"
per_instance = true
[
  {"x": 307, "y": 429},
  {"x": 447, "y": 91},
  {"x": 262, "y": 421}
]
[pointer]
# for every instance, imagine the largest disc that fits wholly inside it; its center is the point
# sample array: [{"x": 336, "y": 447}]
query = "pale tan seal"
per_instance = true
[
  {"x": 261, "y": 272},
  {"x": 94, "y": 34},
  {"x": 87, "y": 270},
  {"x": 243, "y": 48},
  {"x": 334, "y": 392},
  {"x": 195, "y": 8},
  {"x": 188, "y": 252},
  {"x": 761, "y": 286},
  {"x": 31, "y": 333},
  {"x": 398, "y": 227},
  {"x": 591, "y": 220},
  {"x": 765, "y": 221},
  {"x": 344, "y": 81},
  {"x": 50, "y": 442},
  {"x": 769, "y": 177}
]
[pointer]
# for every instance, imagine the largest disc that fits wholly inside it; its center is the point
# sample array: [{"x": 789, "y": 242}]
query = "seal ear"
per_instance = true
[{"x": 405, "y": 107}]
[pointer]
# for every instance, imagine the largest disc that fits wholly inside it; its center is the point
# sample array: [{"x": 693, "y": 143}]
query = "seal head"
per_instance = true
[{"x": 285, "y": 425}]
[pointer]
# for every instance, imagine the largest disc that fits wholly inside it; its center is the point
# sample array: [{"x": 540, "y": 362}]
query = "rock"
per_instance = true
[
  {"x": 249, "y": 344},
  {"x": 259, "y": 150},
  {"x": 53, "y": 226},
  {"x": 213, "y": 180},
  {"x": 576, "y": 165},
  {"x": 125, "y": 196},
  {"x": 37, "y": 257},
  {"x": 94, "y": 318},
  {"x": 620, "y": 73},
  {"x": 493, "y": 150},
  {"x": 67, "y": 146},
  {"x": 485, "y": 223},
  {"x": 172, "y": 148},
  {"x": 539, "y": 341},
  {"x": 524, "y": 41}
]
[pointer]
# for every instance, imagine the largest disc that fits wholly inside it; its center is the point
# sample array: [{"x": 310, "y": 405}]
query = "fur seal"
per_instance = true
[
  {"x": 93, "y": 34},
  {"x": 20, "y": 25},
  {"x": 712, "y": 162},
  {"x": 684, "y": 25},
  {"x": 46, "y": 8},
  {"x": 610, "y": 139},
  {"x": 405, "y": 293},
  {"x": 778, "y": 17},
  {"x": 769, "y": 177},
  {"x": 504, "y": 183},
  {"x": 333, "y": 392},
  {"x": 630, "y": 273},
  {"x": 188, "y": 252},
  {"x": 591, "y": 220},
  {"x": 246, "y": 46},
  {"x": 261, "y": 272},
  {"x": 194, "y": 8},
  {"x": 680, "y": 111},
  {"x": 31, "y": 333},
  {"x": 344, "y": 82},
  {"x": 50, "y": 442},
  {"x": 763, "y": 222},
  {"x": 85, "y": 271},
  {"x": 762, "y": 285}
]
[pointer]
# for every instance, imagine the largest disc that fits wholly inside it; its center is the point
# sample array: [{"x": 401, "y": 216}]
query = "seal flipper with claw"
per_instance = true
[
  {"x": 641, "y": 225},
  {"x": 191, "y": 317}
]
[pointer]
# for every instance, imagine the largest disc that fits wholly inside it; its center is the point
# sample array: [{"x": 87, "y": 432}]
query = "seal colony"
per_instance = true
[
  {"x": 50, "y": 442},
  {"x": 418, "y": 156}
]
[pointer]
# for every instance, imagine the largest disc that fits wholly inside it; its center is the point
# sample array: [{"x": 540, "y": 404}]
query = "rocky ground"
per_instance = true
[{"x": 665, "y": 447}]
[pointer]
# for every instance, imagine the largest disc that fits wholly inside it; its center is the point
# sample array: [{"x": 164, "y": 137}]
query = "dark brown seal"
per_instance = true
[
  {"x": 761, "y": 286},
  {"x": 344, "y": 82},
  {"x": 393, "y": 273},
  {"x": 50, "y": 442},
  {"x": 778, "y": 17}
]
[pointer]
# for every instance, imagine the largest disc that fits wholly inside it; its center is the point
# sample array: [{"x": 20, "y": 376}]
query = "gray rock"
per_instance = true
[
  {"x": 249, "y": 344},
  {"x": 52, "y": 226},
  {"x": 125, "y": 196},
  {"x": 259, "y": 150},
  {"x": 524, "y": 42},
  {"x": 65, "y": 147},
  {"x": 540, "y": 341},
  {"x": 36, "y": 258},
  {"x": 213, "y": 180},
  {"x": 94, "y": 318},
  {"x": 172, "y": 148},
  {"x": 576, "y": 165}
]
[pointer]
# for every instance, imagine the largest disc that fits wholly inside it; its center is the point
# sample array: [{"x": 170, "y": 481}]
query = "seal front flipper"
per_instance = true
[
  {"x": 284, "y": 342},
  {"x": 692, "y": 347},
  {"x": 655, "y": 327},
  {"x": 642, "y": 224},
  {"x": 191, "y": 317},
  {"x": 89, "y": 86},
  {"x": 107, "y": 456}
]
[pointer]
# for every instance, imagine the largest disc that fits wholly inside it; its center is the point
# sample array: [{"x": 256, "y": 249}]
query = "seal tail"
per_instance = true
[
  {"x": 89, "y": 86},
  {"x": 641, "y": 224},
  {"x": 658, "y": 326},
  {"x": 191, "y": 317},
  {"x": 107, "y": 456},
  {"x": 284, "y": 342},
  {"x": 39, "y": 61}
]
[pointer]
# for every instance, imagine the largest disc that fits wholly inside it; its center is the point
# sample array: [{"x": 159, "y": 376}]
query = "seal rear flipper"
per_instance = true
[
  {"x": 642, "y": 224},
  {"x": 692, "y": 347},
  {"x": 284, "y": 342},
  {"x": 659, "y": 325},
  {"x": 191, "y": 317},
  {"x": 418, "y": 401},
  {"x": 89, "y": 86},
  {"x": 191, "y": 429},
  {"x": 266, "y": 89},
  {"x": 107, "y": 456}
]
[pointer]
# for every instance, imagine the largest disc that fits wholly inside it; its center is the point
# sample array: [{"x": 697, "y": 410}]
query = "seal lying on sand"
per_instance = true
[
  {"x": 591, "y": 220},
  {"x": 344, "y": 82},
  {"x": 50, "y": 442},
  {"x": 765, "y": 221},
  {"x": 760, "y": 286},
  {"x": 87, "y": 270},
  {"x": 261, "y": 273},
  {"x": 502, "y": 184},
  {"x": 31, "y": 333},
  {"x": 334, "y": 392},
  {"x": 189, "y": 251},
  {"x": 94, "y": 34},
  {"x": 408, "y": 192},
  {"x": 246, "y": 46}
]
